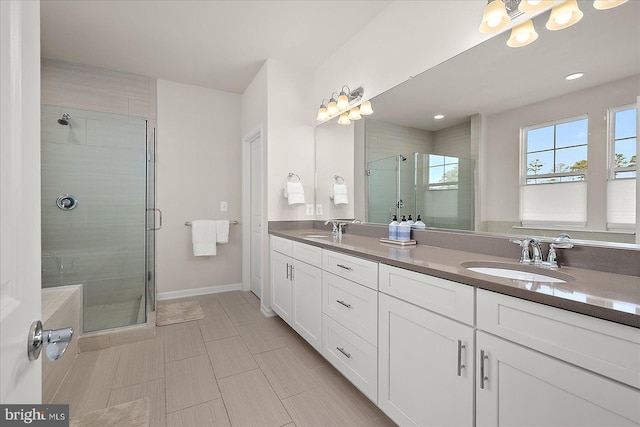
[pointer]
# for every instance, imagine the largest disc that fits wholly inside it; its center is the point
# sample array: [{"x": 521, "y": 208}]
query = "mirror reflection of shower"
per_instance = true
[{"x": 64, "y": 120}]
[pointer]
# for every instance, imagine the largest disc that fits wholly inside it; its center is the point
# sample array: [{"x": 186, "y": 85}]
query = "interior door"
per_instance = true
[
  {"x": 256, "y": 217},
  {"x": 20, "y": 294}
]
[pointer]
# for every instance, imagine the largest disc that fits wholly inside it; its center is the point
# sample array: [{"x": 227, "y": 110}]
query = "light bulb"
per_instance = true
[
  {"x": 343, "y": 101},
  {"x": 322, "y": 114},
  {"x": 607, "y": 4},
  {"x": 522, "y": 35},
  {"x": 332, "y": 108},
  {"x": 344, "y": 119},
  {"x": 533, "y": 5},
  {"x": 494, "y": 18},
  {"x": 354, "y": 114},
  {"x": 564, "y": 15},
  {"x": 365, "y": 108}
]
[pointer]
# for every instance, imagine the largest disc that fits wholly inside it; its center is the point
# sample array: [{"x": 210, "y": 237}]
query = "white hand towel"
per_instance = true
[
  {"x": 222, "y": 231},
  {"x": 203, "y": 237},
  {"x": 340, "y": 194},
  {"x": 294, "y": 192}
]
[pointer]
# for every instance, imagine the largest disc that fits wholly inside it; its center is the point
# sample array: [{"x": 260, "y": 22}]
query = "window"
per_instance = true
[
  {"x": 622, "y": 125},
  {"x": 555, "y": 152},
  {"x": 443, "y": 172}
]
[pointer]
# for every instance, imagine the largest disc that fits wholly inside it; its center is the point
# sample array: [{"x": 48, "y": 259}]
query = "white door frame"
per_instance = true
[{"x": 20, "y": 253}]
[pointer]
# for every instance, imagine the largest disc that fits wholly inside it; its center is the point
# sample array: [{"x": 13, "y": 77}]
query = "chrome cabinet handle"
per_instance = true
[
  {"x": 345, "y": 267},
  {"x": 287, "y": 270},
  {"x": 460, "y": 364},
  {"x": 483, "y": 377},
  {"x": 341, "y": 350},
  {"x": 343, "y": 303},
  {"x": 291, "y": 274}
]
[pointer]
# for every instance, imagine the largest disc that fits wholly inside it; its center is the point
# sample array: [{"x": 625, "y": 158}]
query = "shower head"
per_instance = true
[
  {"x": 404, "y": 159},
  {"x": 64, "y": 121}
]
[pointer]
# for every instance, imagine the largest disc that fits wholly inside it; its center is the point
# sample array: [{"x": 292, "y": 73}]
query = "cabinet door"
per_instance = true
[
  {"x": 522, "y": 387},
  {"x": 425, "y": 371},
  {"x": 281, "y": 286},
  {"x": 307, "y": 302}
]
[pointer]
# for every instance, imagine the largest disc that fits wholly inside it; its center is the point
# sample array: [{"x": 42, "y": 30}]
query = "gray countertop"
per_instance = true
[{"x": 609, "y": 296}]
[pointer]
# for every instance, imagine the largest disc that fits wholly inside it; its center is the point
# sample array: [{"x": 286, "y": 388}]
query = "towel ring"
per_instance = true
[
  {"x": 338, "y": 179},
  {"x": 291, "y": 175}
]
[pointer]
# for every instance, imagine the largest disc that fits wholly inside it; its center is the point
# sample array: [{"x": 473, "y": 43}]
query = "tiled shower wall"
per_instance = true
[{"x": 100, "y": 158}]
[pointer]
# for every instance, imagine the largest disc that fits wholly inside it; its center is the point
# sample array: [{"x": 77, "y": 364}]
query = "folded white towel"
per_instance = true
[
  {"x": 222, "y": 231},
  {"x": 203, "y": 237},
  {"x": 294, "y": 192},
  {"x": 339, "y": 193}
]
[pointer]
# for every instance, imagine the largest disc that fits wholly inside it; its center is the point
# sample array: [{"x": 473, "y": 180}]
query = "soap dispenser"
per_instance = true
[
  {"x": 404, "y": 230},
  {"x": 393, "y": 228},
  {"x": 419, "y": 225},
  {"x": 410, "y": 221}
]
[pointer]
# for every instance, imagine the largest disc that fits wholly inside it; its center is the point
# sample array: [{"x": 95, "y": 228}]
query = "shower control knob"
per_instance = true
[{"x": 66, "y": 202}]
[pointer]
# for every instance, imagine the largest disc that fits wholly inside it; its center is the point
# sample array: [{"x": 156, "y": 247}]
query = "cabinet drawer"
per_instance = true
[
  {"x": 352, "y": 305},
  {"x": 607, "y": 348},
  {"x": 356, "y": 269},
  {"x": 281, "y": 245},
  {"x": 307, "y": 253},
  {"x": 451, "y": 299},
  {"x": 354, "y": 357}
]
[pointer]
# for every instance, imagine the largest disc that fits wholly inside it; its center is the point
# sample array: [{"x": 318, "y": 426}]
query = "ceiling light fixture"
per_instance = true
[
  {"x": 346, "y": 105},
  {"x": 438, "y": 116},
  {"x": 564, "y": 15},
  {"x": 495, "y": 17},
  {"x": 607, "y": 4},
  {"x": 574, "y": 76}
]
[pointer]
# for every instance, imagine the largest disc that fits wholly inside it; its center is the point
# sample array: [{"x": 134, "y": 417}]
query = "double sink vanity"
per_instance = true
[{"x": 438, "y": 336}]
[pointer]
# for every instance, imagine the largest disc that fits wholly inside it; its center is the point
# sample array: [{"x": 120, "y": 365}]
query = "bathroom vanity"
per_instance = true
[{"x": 434, "y": 343}]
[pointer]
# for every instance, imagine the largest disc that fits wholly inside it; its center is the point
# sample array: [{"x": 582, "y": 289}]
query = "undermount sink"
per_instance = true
[
  {"x": 525, "y": 273},
  {"x": 313, "y": 235}
]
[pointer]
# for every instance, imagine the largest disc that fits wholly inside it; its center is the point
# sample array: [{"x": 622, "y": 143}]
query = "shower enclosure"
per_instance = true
[
  {"x": 98, "y": 216},
  {"x": 439, "y": 188}
]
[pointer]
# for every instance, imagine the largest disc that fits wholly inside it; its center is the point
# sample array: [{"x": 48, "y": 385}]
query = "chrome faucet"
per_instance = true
[
  {"x": 560, "y": 242},
  {"x": 338, "y": 226}
]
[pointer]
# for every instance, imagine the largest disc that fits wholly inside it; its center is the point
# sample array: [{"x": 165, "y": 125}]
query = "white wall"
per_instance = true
[
  {"x": 500, "y": 149},
  {"x": 198, "y": 166}
]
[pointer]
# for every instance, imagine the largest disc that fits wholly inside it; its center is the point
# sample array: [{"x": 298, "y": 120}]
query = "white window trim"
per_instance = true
[
  {"x": 611, "y": 143},
  {"x": 523, "y": 151}
]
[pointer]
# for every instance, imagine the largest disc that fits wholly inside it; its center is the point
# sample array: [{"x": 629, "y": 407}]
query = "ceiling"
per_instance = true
[
  {"x": 215, "y": 44},
  {"x": 493, "y": 77}
]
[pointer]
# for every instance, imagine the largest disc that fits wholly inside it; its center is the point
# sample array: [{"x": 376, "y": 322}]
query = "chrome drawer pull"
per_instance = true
[
  {"x": 345, "y": 267},
  {"x": 341, "y": 350},
  {"x": 343, "y": 303},
  {"x": 460, "y": 365},
  {"x": 287, "y": 270},
  {"x": 483, "y": 377}
]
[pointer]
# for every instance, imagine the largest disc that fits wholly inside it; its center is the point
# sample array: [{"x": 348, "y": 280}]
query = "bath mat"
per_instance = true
[
  {"x": 178, "y": 312},
  {"x": 134, "y": 414}
]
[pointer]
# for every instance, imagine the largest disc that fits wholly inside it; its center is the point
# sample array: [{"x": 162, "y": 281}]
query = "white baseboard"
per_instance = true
[
  {"x": 161, "y": 296},
  {"x": 267, "y": 311}
]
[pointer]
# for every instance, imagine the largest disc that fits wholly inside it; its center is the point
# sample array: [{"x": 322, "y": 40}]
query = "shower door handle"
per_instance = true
[{"x": 159, "y": 219}]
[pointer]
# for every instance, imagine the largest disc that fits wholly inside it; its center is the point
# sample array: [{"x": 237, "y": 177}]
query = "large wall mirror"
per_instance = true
[{"x": 520, "y": 149}]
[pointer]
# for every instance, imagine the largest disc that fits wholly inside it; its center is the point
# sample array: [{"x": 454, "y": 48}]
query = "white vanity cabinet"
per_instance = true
[
  {"x": 350, "y": 319},
  {"x": 425, "y": 359},
  {"x": 548, "y": 366},
  {"x": 296, "y": 287}
]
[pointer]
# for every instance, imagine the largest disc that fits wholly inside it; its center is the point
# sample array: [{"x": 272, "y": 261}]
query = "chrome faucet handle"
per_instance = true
[
  {"x": 537, "y": 251},
  {"x": 524, "y": 244}
]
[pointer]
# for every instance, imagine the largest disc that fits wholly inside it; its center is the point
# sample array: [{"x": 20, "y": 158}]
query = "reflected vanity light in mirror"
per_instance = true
[
  {"x": 607, "y": 4},
  {"x": 533, "y": 5},
  {"x": 495, "y": 17},
  {"x": 366, "y": 109},
  {"x": 344, "y": 119},
  {"x": 564, "y": 15},
  {"x": 523, "y": 35}
]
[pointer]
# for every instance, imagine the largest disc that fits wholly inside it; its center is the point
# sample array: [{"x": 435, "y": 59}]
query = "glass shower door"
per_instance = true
[
  {"x": 99, "y": 160},
  {"x": 382, "y": 190}
]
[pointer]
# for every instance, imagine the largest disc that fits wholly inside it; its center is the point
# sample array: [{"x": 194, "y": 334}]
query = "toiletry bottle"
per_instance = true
[
  {"x": 419, "y": 225},
  {"x": 404, "y": 230},
  {"x": 410, "y": 221},
  {"x": 393, "y": 228}
]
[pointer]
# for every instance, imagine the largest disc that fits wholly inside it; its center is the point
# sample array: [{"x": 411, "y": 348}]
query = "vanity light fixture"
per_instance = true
[
  {"x": 346, "y": 106},
  {"x": 574, "y": 76},
  {"x": 564, "y": 15},
  {"x": 438, "y": 116},
  {"x": 533, "y": 5},
  {"x": 495, "y": 17},
  {"x": 522, "y": 35},
  {"x": 607, "y": 4}
]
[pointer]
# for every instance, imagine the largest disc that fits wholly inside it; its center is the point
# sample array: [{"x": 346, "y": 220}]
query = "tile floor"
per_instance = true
[{"x": 234, "y": 367}]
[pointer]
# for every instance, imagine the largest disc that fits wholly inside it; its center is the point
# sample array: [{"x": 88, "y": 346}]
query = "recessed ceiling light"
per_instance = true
[
  {"x": 574, "y": 76},
  {"x": 438, "y": 116}
]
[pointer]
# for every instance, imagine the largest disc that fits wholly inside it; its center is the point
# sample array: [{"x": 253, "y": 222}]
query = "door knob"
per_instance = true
[{"x": 55, "y": 341}]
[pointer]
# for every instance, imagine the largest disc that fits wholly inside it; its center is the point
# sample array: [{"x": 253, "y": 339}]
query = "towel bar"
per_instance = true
[{"x": 234, "y": 222}]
